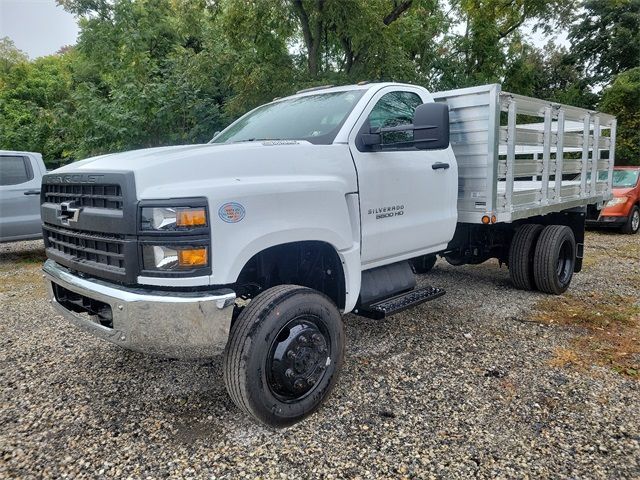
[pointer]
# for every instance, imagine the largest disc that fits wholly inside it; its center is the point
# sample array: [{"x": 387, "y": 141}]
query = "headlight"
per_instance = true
[
  {"x": 616, "y": 201},
  {"x": 174, "y": 258},
  {"x": 173, "y": 218}
]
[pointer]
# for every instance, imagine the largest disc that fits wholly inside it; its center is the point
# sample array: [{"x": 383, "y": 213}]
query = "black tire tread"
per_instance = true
[
  {"x": 241, "y": 337},
  {"x": 234, "y": 366},
  {"x": 544, "y": 262},
  {"x": 520, "y": 256}
]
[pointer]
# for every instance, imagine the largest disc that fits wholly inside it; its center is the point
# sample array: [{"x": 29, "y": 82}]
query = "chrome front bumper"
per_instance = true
[{"x": 183, "y": 325}]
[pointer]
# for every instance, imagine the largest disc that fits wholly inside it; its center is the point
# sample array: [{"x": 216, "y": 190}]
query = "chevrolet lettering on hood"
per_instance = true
[{"x": 74, "y": 178}]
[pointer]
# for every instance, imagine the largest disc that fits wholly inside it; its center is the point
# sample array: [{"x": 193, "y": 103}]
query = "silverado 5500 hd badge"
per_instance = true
[{"x": 387, "y": 212}]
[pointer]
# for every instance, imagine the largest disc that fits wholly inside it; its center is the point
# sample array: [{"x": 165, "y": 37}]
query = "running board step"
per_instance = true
[{"x": 400, "y": 302}]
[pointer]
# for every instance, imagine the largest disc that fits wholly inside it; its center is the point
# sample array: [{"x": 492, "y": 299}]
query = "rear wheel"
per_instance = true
[
  {"x": 521, "y": 253},
  {"x": 633, "y": 222},
  {"x": 284, "y": 354},
  {"x": 423, "y": 264},
  {"x": 554, "y": 259}
]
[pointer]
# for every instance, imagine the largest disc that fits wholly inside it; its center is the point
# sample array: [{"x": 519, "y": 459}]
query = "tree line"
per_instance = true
[{"x": 157, "y": 72}]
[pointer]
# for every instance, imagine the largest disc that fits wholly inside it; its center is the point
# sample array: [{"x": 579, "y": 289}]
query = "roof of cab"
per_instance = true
[{"x": 343, "y": 88}]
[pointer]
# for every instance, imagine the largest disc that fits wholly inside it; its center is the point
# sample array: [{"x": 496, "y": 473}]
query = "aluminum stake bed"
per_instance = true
[{"x": 513, "y": 168}]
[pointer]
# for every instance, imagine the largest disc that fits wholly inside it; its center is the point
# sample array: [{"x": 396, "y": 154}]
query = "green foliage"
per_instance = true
[
  {"x": 622, "y": 99},
  {"x": 158, "y": 72},
  {"x": 33, "y": 99},
  {"x": 550, "y": 73},
  {"x": 606, "y": 40},
  {"x": 145, "y": 76},
  {"x": 9, "y": 55},
  {"x": 491, "y": 31}
]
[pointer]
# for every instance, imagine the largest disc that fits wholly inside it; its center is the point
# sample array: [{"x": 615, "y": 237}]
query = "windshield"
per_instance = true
[
  {"x": 315, "y": 118},
  {"x": 625, "y": 178}
]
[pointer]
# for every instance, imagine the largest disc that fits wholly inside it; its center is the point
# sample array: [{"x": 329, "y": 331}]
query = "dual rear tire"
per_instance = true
[{"x": 542, "y": 258}]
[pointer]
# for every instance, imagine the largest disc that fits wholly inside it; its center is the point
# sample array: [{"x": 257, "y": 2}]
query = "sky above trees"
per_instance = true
[{"x": 37, "y": 27}]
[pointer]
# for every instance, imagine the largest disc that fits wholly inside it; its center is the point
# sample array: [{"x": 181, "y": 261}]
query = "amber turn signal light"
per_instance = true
[
  {"x": 191, "y": 217},
  {"x": 196, "y": 257}
]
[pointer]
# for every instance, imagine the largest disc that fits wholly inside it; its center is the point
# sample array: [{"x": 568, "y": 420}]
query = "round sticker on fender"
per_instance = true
[{"x": 231, "y": 212}]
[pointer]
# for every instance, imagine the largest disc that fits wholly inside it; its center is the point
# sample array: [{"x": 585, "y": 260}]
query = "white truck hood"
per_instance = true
[{"x": 192, "y": 170}]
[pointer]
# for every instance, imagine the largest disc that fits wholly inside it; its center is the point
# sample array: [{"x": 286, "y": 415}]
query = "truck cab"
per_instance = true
[{"x": 306, "y": 208}]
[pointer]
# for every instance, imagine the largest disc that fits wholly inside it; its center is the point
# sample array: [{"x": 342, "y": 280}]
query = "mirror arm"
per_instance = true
[
  {"x": 403, "y": 128},
  {"x": 399, "y": 128},
  {"x": 425, "y": 127}
]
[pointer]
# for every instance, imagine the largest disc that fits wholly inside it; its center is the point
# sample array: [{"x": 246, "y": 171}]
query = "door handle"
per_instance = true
[
  {"x": 32, "y": 192},
  {"x": 440, "y": 165}
]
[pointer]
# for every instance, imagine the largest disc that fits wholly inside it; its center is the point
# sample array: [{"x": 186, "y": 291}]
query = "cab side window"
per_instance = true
[
  {"x": 14, "y": 170},
  {"x": 392, "y": 110}
]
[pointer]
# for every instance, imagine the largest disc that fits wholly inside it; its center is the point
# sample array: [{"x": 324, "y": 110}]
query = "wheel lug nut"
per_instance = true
[
  {"x": 299, "y": 384},
  {"x": 302, "y": 339},
  {"x": 289, "y": 373},
  {"x": 291, "y": 354},
  {"x": 310, "y": 381},
  {"x": 316, "y": 337}
]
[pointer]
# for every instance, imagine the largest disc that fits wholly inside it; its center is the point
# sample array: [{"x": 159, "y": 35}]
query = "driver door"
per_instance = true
[{"x": 407, "y": 207}]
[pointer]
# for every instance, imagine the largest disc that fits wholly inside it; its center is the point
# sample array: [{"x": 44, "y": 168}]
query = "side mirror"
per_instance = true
[
  {"x": 431, "y": 126},
  {"x": 371, "y": 140}
]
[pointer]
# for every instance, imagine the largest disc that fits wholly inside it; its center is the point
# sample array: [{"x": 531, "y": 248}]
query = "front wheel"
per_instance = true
[
  {"x": 633, "y": 222},
  {"x": 284, "y": 354}
]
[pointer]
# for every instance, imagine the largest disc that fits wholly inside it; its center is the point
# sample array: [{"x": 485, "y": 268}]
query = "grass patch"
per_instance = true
[
  {"x": 630, "y": 250},
  {"x": 26, "y": 280},
  {"x": 610, "y": 330},
  {"x": 22, "y": 257}
]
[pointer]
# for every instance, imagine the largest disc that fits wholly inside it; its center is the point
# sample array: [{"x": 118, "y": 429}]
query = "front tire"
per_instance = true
[
  {"x": 284, "y": 354},
  {"x": 633, "y": 222},
  {"x": 554, "y": 259}
]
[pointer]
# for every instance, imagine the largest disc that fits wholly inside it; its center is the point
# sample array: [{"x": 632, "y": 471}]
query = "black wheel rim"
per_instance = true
[
  {"x": 298, "y": 358},
  {"x": 564, "y": 266}
]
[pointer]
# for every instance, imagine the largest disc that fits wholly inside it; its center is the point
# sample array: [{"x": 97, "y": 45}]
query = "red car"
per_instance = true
[{"x": 623, "y": 210}]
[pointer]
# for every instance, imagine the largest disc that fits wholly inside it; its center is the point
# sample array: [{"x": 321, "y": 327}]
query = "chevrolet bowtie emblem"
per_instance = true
[{"x": 68, "y": 212}]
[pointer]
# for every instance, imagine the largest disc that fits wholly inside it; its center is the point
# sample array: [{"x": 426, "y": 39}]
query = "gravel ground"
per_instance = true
[{"x": 455, "y": 388}]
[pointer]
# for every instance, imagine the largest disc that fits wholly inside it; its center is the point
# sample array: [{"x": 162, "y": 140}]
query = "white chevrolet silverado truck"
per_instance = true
[{"x": 326, "y": 202}]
